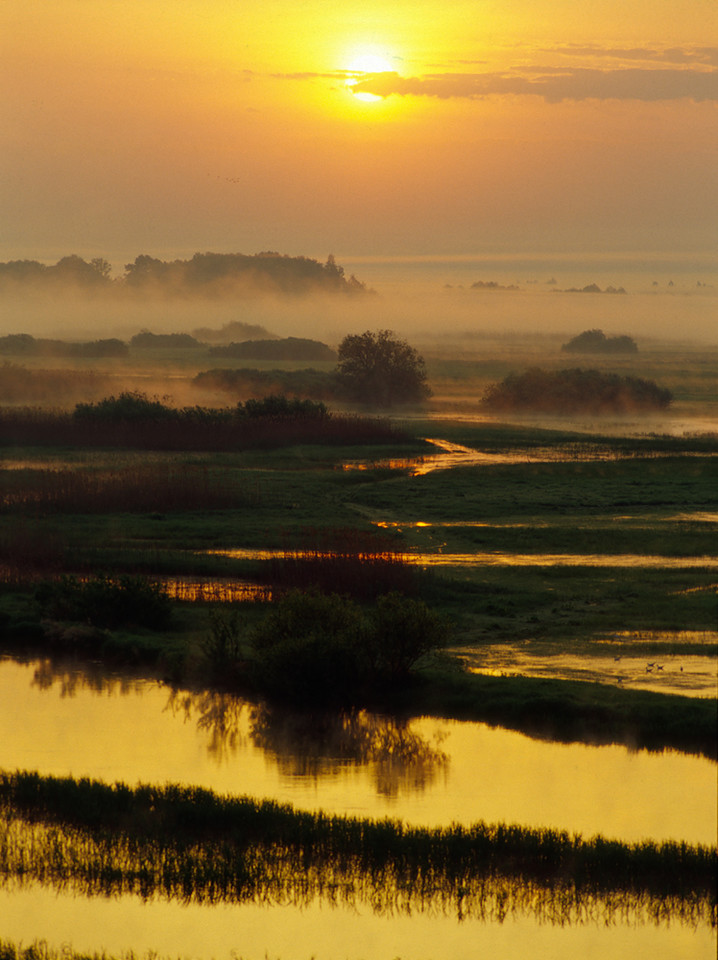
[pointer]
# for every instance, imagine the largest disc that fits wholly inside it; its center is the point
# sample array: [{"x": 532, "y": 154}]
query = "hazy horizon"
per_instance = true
[
  {"x": 510, "y": 130},
  {"x": 427, "y": 148}
]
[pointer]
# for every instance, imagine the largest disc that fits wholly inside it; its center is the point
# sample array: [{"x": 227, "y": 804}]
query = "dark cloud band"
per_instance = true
[{"x": 644, "y": 84}]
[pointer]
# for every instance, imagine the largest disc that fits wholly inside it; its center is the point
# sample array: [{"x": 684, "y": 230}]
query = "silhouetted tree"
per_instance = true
[
  {"x": 380, "y": 370},
  {"x": 596, "y": 341}
]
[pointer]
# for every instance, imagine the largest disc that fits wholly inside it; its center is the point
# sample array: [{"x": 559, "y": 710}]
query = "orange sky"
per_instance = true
[{"x": 143, "y": 126}]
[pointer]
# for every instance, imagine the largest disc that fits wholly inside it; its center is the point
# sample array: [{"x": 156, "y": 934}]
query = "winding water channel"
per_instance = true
[{"x": 429, "y": 772}]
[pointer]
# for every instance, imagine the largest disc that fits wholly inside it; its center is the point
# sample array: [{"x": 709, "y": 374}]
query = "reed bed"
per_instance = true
[
  {"x": 346, "y": 561},
  {"x": 38, "y": 427},
  {"x": 212, "y": 590},
  {"x": 157, "y": 487},
  {"x": 189, "y": 844}
]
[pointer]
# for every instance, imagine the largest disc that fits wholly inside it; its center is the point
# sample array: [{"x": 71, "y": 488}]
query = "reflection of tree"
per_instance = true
[
  {"x": 219, "y": 714},
  {"x": 311, "y": 745},
  {"x": 73, "y": 678},
  {"x": 316, "y": 746}
]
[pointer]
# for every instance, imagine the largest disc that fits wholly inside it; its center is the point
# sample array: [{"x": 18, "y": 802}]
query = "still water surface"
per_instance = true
[
  {"x": 426, "y": 772},
  {"x": 324, "y": 932},
  {"x": 65, "y": 721}
]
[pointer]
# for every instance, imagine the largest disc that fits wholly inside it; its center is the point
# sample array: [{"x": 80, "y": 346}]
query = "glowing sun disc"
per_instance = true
[{"x": 362, "y": 64}]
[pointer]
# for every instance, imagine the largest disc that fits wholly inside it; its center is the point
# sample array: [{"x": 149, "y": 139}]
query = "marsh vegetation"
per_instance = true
[
  {"x": 190, "y": 844},
  {"x": 368, "y": 588}
]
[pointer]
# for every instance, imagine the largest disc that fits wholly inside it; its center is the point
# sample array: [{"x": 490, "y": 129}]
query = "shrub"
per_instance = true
[
  {"x": 314, "y": 648},
  {"x": 222, "y": 646},
  {"x": 402, "y": 632},
  {"x": 106, "y": 602},
  {"x": 308, "y": 649},
  {"x": 575, "y": 391}
]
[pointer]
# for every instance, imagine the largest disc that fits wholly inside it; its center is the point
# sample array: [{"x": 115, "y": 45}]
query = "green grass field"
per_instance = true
[{"x": 87, "y": 510}]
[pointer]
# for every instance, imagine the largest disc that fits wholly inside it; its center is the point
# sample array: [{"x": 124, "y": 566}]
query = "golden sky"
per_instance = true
[{"x": 363, "y": 128}]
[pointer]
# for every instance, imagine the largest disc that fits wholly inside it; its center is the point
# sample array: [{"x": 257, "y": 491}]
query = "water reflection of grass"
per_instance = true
[{"x": 190, "y": 844}]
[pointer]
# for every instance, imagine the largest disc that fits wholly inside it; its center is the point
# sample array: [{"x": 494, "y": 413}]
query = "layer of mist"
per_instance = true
[{"x": 437, "y": 304}]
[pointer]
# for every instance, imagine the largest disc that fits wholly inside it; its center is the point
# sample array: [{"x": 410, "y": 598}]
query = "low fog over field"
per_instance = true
[
  {"x": 437, "y": 304},
  {"x": 474, "y": 321}
]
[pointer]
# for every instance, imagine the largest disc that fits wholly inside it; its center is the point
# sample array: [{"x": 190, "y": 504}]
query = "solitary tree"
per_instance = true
[{"x": 380, "y": 370}]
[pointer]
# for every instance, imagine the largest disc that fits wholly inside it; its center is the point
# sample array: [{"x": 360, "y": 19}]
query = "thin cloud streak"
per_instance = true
[
  {"x": 695, "y": 55},
  {"x": 558, "y": 85}
]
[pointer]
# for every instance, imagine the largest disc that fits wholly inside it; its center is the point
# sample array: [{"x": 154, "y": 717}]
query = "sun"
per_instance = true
[{"x": 362, "y": 63}]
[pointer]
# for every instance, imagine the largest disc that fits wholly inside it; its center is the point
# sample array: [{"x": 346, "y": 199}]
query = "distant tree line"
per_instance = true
[
  {"x": 68, "y": 270},
  {"x": 234, "y": 331},
  {"x": 596, "y": 341},
  {"x": 289, "y": 348},
  {"x": 22, "y": 344},
  {"x": 592, "y": 288},
  {"x": 205, "y": 274},
  {"x": 492, "y": 285},
  {"x": 164, "y": 341},
  {"x": 575, "y": 391}
]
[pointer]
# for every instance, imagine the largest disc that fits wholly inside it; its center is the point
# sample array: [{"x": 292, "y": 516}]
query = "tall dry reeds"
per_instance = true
[
  {"x": 356, "y": 563},
  {"x": 141, "y": 488},
  {"x": 37, "y": 427}
]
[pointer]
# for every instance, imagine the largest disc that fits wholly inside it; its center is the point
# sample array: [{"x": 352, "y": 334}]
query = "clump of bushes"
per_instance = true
[
  {"x": 314, "y": 648},
  {"x": 131, "y": 406},
  {"x": 126, "y": 601},
  {"x": 596, "y": 341},
  {"x": 576, "y": 391},
  {"x": 24, "y": 344}
]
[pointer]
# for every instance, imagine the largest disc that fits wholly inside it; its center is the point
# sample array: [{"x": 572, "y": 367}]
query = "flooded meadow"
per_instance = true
[
  {"x": 529, "y": 563},
  {"x": 425, "y": 773}
]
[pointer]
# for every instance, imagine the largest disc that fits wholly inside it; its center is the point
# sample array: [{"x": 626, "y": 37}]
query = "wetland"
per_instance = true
[{"x": 570, "y": 708}]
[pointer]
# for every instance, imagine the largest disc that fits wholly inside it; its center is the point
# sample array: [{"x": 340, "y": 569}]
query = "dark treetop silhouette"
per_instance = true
[{"x": 380, "y": 370}]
